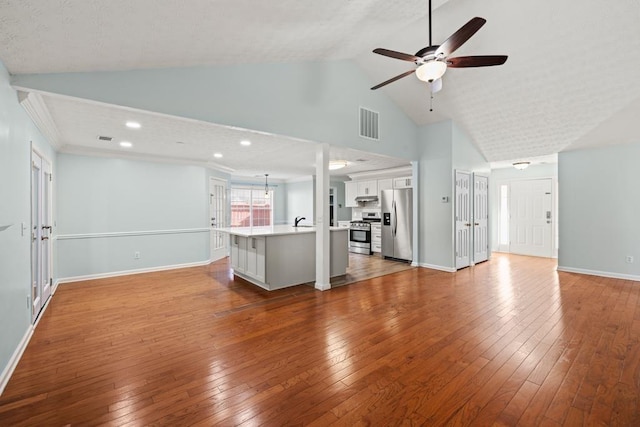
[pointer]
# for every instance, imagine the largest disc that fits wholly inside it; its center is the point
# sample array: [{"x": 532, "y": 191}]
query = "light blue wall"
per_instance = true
[
  {"x": 466, "y": 156},
  {"x": 599, "y": 210},
  {"x": 436, "y": 180},
  {"x": 314, "y": 101},
  {"x": 164, "y": 206},
  {"x": 444, "y": 148},
  {"x": 16, "y": 130},
  {"x": 300, "y": 200}
]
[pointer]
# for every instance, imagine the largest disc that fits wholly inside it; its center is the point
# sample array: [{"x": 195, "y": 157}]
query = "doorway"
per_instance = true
[
  {"x": 41, "y": 232},
  {"x": 218, "y": 241},
  {"x": 529, "y": 206}
]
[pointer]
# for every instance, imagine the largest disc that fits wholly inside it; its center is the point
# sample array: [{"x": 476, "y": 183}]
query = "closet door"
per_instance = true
[
  {"x": 41, "y": 228},
  {"x": 463, "y": 220},
  {"x": 480, "y": 218}
]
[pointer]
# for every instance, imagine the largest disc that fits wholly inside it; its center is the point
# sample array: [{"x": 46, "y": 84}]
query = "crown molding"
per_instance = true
[{"x": 38, "y": 111}]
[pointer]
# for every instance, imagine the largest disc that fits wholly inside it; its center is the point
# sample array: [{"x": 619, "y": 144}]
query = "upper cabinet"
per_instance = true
[
  {"x": 350, "y": 194},
  {"x": 372, "y": 187},
  {"x": 404, "y": 182},
  {"x": 367, "y": 188}
]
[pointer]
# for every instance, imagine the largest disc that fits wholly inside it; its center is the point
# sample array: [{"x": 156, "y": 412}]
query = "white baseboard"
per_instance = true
[
  {"x": 438, "y": 267},
  {"x": 129, "y": 272},
  {"x": 15, "y": 358},
  {"x": 599, "y": 273}
]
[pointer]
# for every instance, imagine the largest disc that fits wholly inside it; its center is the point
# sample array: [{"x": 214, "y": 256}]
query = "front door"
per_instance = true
[
  {"x": 41, "y": 228},
  {"x": 463, "y": 220},
  {"x": 217, "y": 218},
  {"x": 530, "y": 226}
]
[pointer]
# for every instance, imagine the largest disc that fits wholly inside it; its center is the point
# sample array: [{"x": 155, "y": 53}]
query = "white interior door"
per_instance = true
[
  {"x": 463, "y": 220},
  {"x": 480, "y": 218},
  {"x": 41, "y": 227},
  {"x": 530, "y": 224},
  {"x": 218, "y": 218}
]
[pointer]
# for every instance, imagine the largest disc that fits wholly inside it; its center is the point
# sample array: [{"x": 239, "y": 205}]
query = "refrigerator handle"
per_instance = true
[{"x": 395, "y": 218}]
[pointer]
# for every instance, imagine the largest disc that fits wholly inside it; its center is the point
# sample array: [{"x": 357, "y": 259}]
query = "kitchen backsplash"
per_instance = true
[{"x": 356, "y": 213}]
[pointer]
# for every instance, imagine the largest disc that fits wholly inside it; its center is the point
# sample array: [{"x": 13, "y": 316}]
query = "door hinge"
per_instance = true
[{"x": 50, "y": 178}]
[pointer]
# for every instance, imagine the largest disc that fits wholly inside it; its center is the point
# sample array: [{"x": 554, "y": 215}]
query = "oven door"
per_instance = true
[{"x": 360, "y": 236}]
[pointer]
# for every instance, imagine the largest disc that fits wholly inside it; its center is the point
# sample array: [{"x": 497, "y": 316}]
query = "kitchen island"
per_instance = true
[{"x": 283, "y": 255}]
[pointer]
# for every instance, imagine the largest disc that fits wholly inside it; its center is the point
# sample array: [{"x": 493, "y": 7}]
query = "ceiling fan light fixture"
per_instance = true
[
  {"x": 431, "y": 70},
  {"x": 337, "y": 164},
  {"x": 521, "y": 165}
]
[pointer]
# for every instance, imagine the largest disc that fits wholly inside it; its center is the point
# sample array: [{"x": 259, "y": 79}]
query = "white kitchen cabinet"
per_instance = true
[
  {"x": 367, "y": 188},
  {"x": 256, "y": 250},
  {"x": 238, "y": 253},
  {"x": 403, "y": 182},
  {"x": 384, "y": 184},
  {"x": 350, "y": 194},
  {"x": 376, "y": 238}
]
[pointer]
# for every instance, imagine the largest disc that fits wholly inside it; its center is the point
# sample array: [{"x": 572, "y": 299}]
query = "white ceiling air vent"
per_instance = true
[
  {"x": 369, "y": 124},
  {"x": 105, "y": 138}
]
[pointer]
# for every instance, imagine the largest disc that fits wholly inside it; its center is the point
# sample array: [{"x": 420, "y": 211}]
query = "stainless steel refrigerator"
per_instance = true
[{"x": 397, "y": 224}]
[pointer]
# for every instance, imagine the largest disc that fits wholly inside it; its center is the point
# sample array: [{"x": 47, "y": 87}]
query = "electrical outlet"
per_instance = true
[
  {"x": 136, "y": 255},
  {"x": 629, "y": 259}
]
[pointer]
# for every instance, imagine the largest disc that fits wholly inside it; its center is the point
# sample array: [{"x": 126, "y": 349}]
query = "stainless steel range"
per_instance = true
[{"x": 360, "y": 234}]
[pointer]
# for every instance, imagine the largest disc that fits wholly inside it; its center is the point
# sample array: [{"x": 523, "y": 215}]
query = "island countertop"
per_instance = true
[{"x": 275, "y": 230}]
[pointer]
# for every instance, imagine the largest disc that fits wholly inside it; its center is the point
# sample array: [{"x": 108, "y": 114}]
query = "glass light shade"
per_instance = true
[
  {"x": 521, "y": 165},
  {"x": 337, "y": 164},
  {"x": 431, "y": 70}
]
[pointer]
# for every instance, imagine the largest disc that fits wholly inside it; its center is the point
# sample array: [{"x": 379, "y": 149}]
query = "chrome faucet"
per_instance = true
[{"x": 298, "y": 219}]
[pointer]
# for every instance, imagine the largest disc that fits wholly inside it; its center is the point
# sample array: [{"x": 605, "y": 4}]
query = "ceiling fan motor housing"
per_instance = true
[{"x": 427, "y": 51}]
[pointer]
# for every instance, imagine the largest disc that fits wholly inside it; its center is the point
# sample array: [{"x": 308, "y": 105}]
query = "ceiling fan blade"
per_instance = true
[
  {"x": 476, "y": 61},
  {"x": 396, "y": 55},
  {"x": 391, "y": 80},
  {"x": 458, "y": 38}
]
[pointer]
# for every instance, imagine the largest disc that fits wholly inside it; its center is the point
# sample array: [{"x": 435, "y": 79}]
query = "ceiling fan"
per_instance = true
[{"x": 432, "y": 61}]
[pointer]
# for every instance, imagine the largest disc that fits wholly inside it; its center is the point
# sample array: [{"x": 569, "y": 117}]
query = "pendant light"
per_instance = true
[{"x": 266, "y": 186}]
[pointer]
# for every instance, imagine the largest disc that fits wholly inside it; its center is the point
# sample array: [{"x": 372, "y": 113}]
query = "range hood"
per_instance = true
[{"x": 372, "y": 198}]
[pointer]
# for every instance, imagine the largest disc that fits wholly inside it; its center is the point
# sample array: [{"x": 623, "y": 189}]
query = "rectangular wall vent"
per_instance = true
[
  {"x": 105, "y": 138},
  {"x": 369, "y": 124}
]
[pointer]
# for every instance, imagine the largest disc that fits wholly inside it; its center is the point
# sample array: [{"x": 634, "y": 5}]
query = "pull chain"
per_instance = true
[{"x": 431, "y": 101}]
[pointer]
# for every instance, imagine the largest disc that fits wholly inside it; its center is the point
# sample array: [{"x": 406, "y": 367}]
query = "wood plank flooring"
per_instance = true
[
  {"x": 362, "y": 267},
  {"x": 507, "y": 342}
]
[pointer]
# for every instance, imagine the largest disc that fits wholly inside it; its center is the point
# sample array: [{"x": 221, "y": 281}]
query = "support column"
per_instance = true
[{"x": 323, "y": 275}]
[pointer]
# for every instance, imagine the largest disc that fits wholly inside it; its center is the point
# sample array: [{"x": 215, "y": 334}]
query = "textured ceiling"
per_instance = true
[{"x": 569, "y": 82}]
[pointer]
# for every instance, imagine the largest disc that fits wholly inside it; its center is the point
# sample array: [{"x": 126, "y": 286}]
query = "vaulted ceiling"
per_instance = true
[{"x": 570, "y": 80}]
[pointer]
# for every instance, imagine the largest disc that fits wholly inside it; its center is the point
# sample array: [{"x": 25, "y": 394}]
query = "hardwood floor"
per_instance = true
[
  {"x": 363, "y": 267},
  {"x": 507, "y": 342}
]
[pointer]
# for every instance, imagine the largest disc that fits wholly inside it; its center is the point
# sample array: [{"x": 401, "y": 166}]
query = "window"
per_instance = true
[{"x": 250, "y": 207}]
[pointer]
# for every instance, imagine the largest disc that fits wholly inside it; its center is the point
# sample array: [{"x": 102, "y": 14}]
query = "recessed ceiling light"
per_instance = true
[
  {"x": 245, "y": 142},
  {"x": 133, "y": 125},
  {"x": 337, "y": 164},
  {"x": 217, "y": 155},
  {"x": 126, "y": 144}
]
